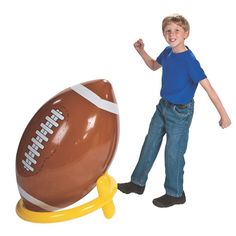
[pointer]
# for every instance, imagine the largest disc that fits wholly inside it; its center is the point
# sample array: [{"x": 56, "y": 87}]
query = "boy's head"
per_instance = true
[{"x": 178, "y": 20}]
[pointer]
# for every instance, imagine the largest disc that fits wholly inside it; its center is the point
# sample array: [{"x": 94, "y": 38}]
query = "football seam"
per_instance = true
[{"x": 33, "y": 149}]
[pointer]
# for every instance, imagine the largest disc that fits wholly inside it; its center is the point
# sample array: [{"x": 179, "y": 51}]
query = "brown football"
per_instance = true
[{"x": 68, "y": 144}]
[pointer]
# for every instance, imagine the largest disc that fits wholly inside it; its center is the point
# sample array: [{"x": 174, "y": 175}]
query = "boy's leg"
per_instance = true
[
  {"x": 148, "y": 155},
  {"x": 150, "y": 148},
  {"x": 174, "y": 162},
  {"x": 177, "y": 127},
  {"x": 176, "y": 146},
  {"x": 178, "y": 124}
]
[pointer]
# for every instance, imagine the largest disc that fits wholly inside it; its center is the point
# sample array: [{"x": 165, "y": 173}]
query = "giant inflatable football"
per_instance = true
[{"x": 68, "y": 144}]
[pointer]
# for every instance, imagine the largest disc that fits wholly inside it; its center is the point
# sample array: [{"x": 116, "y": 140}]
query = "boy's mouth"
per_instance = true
[{"x": 172, "y": 40}]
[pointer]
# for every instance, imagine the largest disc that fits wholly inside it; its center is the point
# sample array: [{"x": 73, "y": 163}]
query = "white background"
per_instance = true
[{"x": 47, "y": 46}]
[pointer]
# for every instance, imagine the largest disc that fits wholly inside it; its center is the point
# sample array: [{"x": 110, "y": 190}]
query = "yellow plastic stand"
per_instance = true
[{"x": 106, "y": 187}]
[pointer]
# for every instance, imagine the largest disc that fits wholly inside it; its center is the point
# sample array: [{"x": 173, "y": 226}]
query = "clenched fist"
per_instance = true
[{"x": 139, "y": 45}]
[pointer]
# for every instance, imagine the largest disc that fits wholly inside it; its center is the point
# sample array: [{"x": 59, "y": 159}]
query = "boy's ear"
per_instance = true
[{"x": 186, "y": 34}]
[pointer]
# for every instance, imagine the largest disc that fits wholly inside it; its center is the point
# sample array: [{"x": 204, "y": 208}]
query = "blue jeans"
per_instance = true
[{"x": 174, "y": 121}]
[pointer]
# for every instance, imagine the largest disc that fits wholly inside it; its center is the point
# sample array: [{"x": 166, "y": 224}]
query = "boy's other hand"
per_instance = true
[
  {"x": 139, "y": 45},
  {"x": 225, "y": 122}
]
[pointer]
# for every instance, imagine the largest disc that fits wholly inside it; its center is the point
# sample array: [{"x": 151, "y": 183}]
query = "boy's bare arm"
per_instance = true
[
  {"x": 224, "y": 118},
  {"x": 150, "y": 62}
]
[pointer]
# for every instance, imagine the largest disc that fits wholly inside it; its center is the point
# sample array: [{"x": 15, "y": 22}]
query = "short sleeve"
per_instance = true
[
  {"x": 159, "y": 59},
  {"x": 195, "y": 70}
]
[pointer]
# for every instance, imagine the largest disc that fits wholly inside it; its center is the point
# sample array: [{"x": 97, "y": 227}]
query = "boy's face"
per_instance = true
[{"x": 175, "y": 36}]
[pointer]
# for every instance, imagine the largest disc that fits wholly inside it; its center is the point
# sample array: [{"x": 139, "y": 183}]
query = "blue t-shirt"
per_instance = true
[{"x": 181, "y": 73}]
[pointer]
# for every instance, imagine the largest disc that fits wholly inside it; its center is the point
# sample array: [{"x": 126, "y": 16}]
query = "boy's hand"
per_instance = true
[
  {"x": 139, "y": 45},
  {"x": 225, "y": 122}
]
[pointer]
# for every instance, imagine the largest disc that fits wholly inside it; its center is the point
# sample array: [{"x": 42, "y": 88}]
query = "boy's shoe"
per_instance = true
[
  {"x": 131, "y": 187},
  {"x": 167, "y": 201}
]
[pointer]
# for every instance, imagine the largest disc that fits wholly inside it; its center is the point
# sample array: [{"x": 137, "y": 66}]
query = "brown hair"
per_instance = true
[{"x": 177, "y": 19}]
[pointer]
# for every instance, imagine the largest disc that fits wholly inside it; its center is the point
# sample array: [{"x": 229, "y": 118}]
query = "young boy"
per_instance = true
[{"x": 181, "y": 73}]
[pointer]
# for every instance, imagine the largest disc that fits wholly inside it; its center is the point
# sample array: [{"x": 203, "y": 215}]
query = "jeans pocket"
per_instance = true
[{"x": 182, "y": 112}]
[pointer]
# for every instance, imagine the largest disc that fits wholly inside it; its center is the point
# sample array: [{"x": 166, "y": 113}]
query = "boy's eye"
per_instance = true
[{"x": 169, "y": 31}]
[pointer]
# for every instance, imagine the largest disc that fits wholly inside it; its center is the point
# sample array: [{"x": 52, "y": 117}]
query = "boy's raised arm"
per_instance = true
[{"x": 150, "y": 62}]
